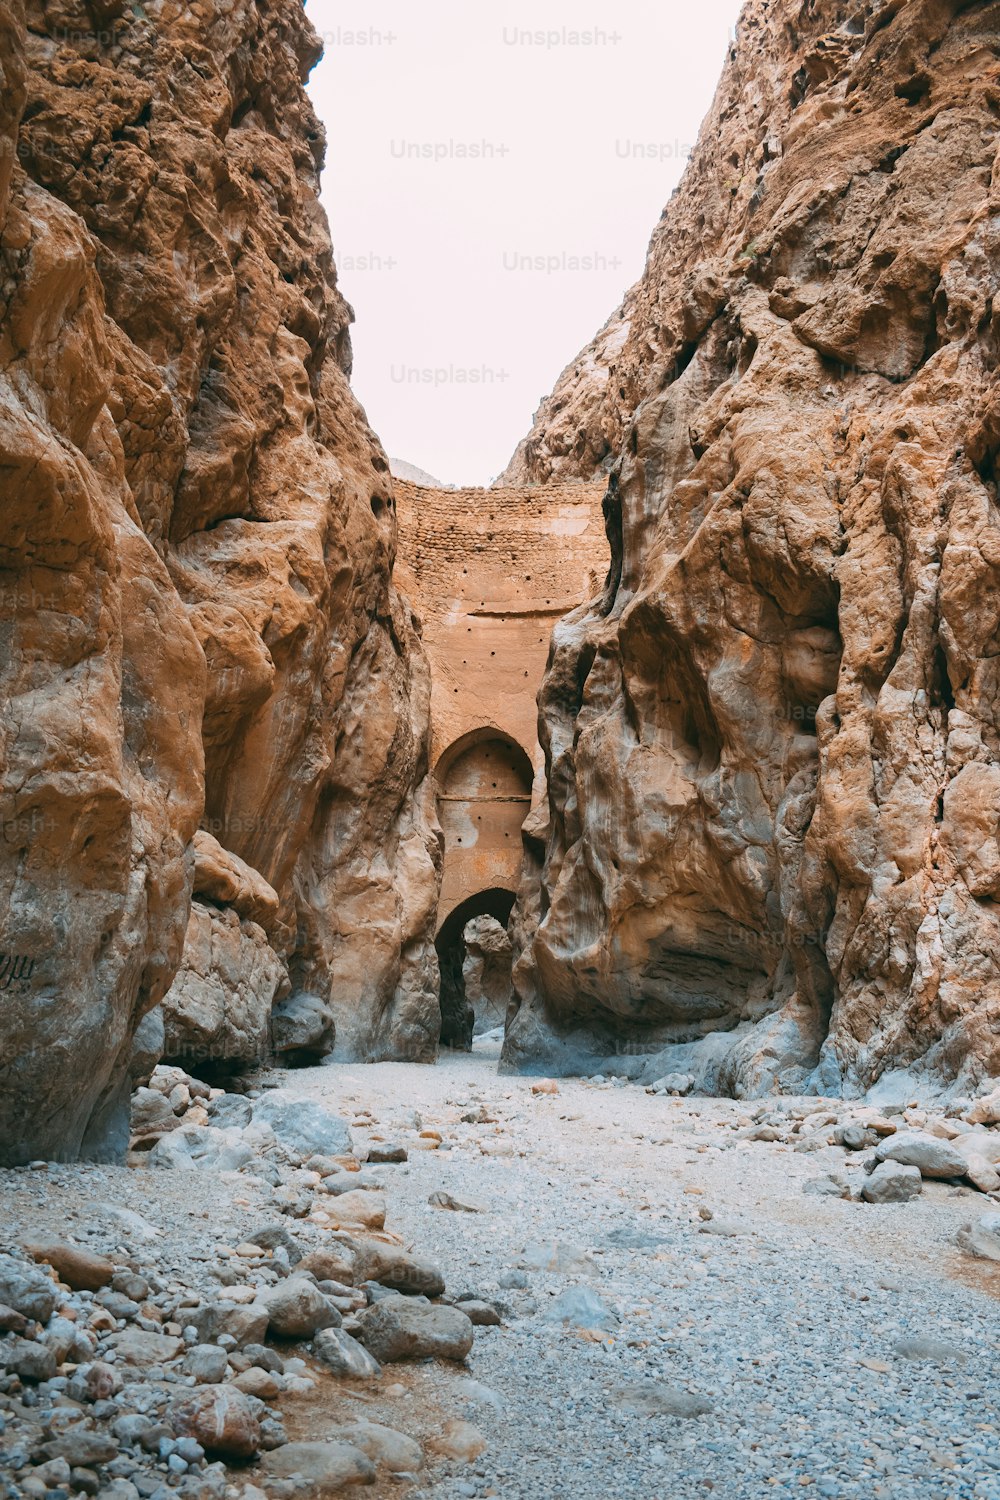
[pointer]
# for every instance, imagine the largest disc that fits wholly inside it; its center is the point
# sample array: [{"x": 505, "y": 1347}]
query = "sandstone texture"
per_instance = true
[
  {"x": 772, "y": 752},
  {"x": 207, "y": 679}
]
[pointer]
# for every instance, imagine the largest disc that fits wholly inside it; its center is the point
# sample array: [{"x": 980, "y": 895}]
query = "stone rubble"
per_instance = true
[{"x": 266, "y": 1347}]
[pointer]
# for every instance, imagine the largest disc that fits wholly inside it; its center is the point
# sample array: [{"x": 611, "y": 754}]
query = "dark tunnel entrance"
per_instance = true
[{"x": 457, "y": 1015}]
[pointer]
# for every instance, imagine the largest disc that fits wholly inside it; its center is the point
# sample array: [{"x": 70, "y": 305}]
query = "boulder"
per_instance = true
[
  {"x": 297, "y": 1309},
  {"x": 303, "y": 1126},
  {"x": 932, "y": 1156},
  {"x": 385, "y": 1446},
  {"x": 892, "y": 1182},
  {"x": 218, "y": 1008},
  {"x": 395, "y": 1268},
  {"x": 302, "y": 1028},
  {"x": 223, "y": 1420},
  {"x": 77, "y": 1267},
  {"x": 344, "y": 1356},
  {"x": 981, "y": 1239},
  {"x": 26, "y": 1289},
  {"x": 400, "y": 1328},
  {"x": 318, "y": 1469}
]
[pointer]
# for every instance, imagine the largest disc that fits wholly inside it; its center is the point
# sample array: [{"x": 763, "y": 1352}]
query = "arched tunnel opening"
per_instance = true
[
  {"x": 458, "y": 1011},
  {"x": 484, "y": 793}
]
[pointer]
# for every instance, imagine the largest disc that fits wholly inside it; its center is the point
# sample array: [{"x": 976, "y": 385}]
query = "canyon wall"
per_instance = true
[
  {"x": 772, "y": 744},
  {"x": 208, "y": 683}
]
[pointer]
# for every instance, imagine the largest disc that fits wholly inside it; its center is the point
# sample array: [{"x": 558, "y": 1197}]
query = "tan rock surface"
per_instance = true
[
  {"x": 188, "y": 480},
  {"x": 772, "y": 749}
]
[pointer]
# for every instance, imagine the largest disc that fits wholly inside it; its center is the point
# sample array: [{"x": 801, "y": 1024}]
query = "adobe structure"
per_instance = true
[{"x": 489, "y": 571}]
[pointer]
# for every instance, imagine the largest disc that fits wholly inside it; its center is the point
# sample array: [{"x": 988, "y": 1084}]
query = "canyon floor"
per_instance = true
[{"x": 756, "y": 1340}]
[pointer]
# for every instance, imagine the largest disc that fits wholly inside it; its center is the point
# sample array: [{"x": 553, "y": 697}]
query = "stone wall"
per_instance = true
[{"x": 489, "y": 571}]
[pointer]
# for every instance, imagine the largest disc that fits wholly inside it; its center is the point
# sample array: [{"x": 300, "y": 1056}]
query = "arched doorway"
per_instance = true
[
  {"x": 484, "y": 794},
  {"x": 457, "y": 1016}
]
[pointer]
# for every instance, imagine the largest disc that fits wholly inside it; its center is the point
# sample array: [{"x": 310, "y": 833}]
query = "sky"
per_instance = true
[{"x": 494, "y": 173}]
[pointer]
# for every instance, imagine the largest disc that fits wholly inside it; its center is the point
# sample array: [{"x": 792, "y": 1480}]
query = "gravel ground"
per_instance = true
[
  {"x": 816, "y": 1346},
  {"x": 790, "y": 1330}
]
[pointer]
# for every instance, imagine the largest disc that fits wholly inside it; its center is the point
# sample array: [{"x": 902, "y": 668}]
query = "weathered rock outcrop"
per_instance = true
[
  {"x": 197, "y": 530},
  {"x": 772, "y": 745},
  {"x": 486, "y": 971}
]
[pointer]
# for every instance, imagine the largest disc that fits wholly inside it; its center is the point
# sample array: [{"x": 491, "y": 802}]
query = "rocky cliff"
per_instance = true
[
  {"x": 772, "y": 744},
  {"x": 208, "y": 684}
]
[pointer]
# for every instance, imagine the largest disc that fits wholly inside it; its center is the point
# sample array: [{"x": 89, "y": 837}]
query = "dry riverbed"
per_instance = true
[{"x": 679, "y": 1316}]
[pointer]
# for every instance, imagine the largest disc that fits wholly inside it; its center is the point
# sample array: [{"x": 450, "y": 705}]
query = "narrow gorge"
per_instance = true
[{"x": 500, "y": 986}]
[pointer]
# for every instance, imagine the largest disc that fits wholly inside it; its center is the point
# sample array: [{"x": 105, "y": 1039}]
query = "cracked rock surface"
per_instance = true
[
  {"x": 207, "y": 679},
  {"x": 771, "y": 744}
]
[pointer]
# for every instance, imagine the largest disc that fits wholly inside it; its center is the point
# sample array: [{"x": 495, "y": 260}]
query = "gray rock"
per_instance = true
[
  {"x": 81, "y": 1447},
  {"x": 151, "y": 1114},
  {"x": 219, "y": 1005},
  {"x": 579, "y": 1307},
  {"x": 345, "y": 1356},
  {"x": 303, "y": 1126},
  {"x": 297, "y": 1309},
  {"x": 139, "y": 1347},
  {"x": 61, "y": 1336},
  {"x": 385, "y": 1446},
  {"x": 28, "y": 1360},
  {"x": 558, "y": 1256},
  {"x": 26, "y": 1289},
  {"x": 400, "y": 1328},
  {"x": 831, "y": 1186},
  {"x": 318, "y": 1468},
  {"x": 662, "y": 1400},
  {"x": 725, "y": 1229},
  {"x": 245, "y": 1322},
  {"x": 931, "y": 1156},
  {"x": 480, "y": 1313},
  {"x": 933, "y": 1350},
  {"x": 263, "y": 1358},
  {"x": 982, "y": 1238},
  {"x": 393, "y": 1268},
  {"x": 201, "y": 1147},
  {"x": 207, "y": 1363},
  {"x": 270, "y": 1236},
  {"x": 855, "y": 1137},
  {"x": 230, "y": 1111},
  {"x": 892, "y": 1182},
  {"x": 384, "y": 1152},
  {"x": 302, "y": 1027},
  {"x": 703, "y": 1059},
  {"x": 441, "y": 1199},
  {"x": 352, "y": 1182},
  {"x": 634, "y": 1237},
  {"x": 673, "y": 1083}
]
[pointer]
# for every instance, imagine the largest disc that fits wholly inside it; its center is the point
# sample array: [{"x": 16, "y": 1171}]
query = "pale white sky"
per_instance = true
[{"x": 494, "y": 173}]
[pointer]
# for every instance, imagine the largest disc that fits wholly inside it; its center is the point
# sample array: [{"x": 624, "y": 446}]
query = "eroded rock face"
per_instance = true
[
  {"x": 486, "y": 971},
  {"x": 772, "y": 749},
  {"x": 197, "y": 532},
  {"x": 218, "y": 1009}
]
